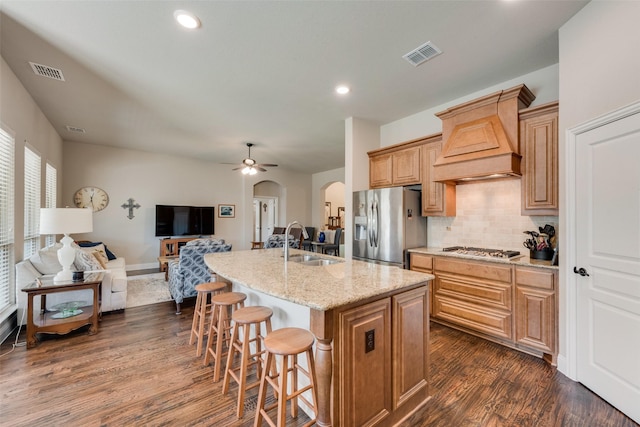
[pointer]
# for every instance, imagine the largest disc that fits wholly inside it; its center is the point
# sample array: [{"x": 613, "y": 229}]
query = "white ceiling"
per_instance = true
[{"x": 264, "y": 71}]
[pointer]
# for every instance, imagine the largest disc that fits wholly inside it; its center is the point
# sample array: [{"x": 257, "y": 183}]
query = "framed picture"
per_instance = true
[{"x": 226, "y": 211}]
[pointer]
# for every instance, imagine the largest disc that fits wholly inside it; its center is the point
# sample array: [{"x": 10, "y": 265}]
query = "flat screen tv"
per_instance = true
[{"x": 184, "y": 220}]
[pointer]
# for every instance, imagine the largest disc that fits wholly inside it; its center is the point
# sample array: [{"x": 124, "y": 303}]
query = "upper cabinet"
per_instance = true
[
  {"x": 539, "y": 149},
  {"x": 438, "y": 199},
  {"x": 395, "y": 166},
  {"x": 411, "y": 163}
]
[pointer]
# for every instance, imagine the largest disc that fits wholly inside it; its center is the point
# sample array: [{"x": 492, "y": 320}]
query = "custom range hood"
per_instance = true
[{"x": 481, "y": 137}]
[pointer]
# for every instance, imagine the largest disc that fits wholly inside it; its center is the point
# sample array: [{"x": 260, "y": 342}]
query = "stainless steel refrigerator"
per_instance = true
[{"x": 387, "y": 222}]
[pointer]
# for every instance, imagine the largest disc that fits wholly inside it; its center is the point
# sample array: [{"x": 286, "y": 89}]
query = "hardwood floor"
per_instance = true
[{"x": 140, "y": 370}]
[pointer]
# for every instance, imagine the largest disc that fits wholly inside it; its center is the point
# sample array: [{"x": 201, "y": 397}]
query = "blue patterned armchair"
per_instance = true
[
  {"x": 190, "y": 270},
  {"x": 277, "y": 241}
]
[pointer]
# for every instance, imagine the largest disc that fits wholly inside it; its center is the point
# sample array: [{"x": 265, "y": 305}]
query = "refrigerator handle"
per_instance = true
[
  {"x": 370, "y": 224},
  {"x": 376, "y": 223}
]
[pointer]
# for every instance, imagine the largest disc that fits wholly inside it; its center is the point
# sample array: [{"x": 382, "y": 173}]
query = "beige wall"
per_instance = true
[
  {"x": 543, "y": 83},
  {"x": 599, "y": 73},
  {"x": 152, "y": 179},
  {"x": 21, "y": 116},
  {"x": 322, "y": 181}
]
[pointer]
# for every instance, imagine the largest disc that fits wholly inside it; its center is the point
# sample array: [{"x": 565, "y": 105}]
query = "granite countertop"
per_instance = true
[
  {"x": 318, "y": 287},
  {"x": 522, "y": 260}
]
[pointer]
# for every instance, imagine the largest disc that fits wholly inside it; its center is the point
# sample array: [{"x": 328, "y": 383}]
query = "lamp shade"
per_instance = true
[{"x": 65, "y": 220}]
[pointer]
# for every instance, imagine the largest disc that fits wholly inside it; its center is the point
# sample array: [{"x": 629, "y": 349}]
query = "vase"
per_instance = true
[{"x": 321, "y": 237}]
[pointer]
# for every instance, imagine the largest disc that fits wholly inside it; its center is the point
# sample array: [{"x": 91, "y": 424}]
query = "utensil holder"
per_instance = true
[{"x": 545, "y": 254}]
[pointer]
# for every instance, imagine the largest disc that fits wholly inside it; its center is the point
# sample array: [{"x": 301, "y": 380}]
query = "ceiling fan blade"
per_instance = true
[
  {"x": 259, "y": 168},
  {"x": 238, "y": 168},
  {"x": 267, "y": 165}
]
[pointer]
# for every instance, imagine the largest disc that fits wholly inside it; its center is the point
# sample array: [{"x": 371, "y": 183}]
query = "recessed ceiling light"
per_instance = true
[
  {"x": 187, "y": 19},
  {"x": 342, "y": 90}
]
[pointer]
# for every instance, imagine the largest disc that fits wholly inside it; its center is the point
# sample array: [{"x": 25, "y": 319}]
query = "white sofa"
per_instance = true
[{"x": 45, "y": 263}]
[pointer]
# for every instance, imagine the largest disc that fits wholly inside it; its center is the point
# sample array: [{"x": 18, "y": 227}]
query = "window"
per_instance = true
[
  {"x": 31, "y": 202},
  {"x": 7, "y": 170},
  {"x": 51, "y": 185}
]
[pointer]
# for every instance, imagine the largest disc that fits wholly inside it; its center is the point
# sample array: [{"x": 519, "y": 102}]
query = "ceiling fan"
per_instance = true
[{"x": 250, "y": 167}]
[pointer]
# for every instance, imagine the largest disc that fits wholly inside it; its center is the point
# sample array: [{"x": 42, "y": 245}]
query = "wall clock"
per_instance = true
[{"x": 91, "y": 197}]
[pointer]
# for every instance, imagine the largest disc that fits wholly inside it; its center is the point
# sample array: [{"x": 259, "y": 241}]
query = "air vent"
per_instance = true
[
  {"x": 75, "y": 129},
  {"x": 422, "y": 54},
  {"x": 46, "y": 71}
]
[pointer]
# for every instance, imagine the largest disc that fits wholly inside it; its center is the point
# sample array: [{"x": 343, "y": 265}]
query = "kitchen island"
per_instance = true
[{"x": 371, "y": 323}]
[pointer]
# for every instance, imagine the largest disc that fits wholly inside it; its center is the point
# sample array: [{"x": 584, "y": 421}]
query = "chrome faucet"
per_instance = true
[{"x": 286, "y": 237}]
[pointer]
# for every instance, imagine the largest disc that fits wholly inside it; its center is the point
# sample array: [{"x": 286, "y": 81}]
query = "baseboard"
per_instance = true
[
  {"x": 8, "y": 325},
  {"x": 146, "y": 266}
]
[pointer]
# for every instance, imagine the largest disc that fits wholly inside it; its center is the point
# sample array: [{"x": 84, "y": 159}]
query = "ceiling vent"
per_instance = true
[
  {"x": 75, "y": 129},
  {"x": 422, "y": 54},
  {"x": 46, "y": 71}
]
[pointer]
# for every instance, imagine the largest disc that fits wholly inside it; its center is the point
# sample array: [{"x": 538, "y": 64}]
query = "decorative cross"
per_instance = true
[{"x": 130, "y": 205}]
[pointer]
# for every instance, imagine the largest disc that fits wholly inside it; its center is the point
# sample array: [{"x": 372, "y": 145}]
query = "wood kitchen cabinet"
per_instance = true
[
  {"x": 475, "y": 295},
  {"x": 410, "y": 357},
  {"x": 384, "y": 359},
  {"x": 411, "y": 163},
  {"x": 366, "y": 363},
  {"x": 438, "y": 199},
  {"x": 539, "y": 150},
  {"x": 394, "y": 166},
  {"x": 536, "y": 308},
  {"x": 423, "y": 263},
  {"x": 514, "y": 305}
]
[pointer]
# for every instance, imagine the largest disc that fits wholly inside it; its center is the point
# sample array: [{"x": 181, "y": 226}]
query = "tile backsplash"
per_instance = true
[{"x": 488, "y": 215}]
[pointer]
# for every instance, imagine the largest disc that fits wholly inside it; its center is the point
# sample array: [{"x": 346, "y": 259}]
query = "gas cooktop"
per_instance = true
[{"x": 494, "y": 253}]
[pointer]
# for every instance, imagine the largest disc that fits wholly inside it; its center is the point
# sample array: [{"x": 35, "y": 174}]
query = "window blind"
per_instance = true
[
  {"x": 7, "y": 174},
  {"x": 51, "y": 186},
  {"x": 31, "y": 202}
]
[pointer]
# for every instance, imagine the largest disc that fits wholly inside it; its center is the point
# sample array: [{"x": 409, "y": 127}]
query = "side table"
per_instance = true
[
  {"x": 318, "y": 246},
  {"x": 47, "y": 322},
  {"x": 164, "y": 264}
]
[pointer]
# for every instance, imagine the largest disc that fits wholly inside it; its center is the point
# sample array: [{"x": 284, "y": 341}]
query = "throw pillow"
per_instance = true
[
  {"x": 46, "y": 259},
  {"x": 86, "y": 261},
  {"x": 101, "y": 257},
  {"x": 94, "y": 249},
  {"x": 110, "y": 255}
]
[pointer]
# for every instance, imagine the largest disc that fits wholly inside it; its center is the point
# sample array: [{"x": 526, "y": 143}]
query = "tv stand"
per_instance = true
[{"x": 171, "y": 247}]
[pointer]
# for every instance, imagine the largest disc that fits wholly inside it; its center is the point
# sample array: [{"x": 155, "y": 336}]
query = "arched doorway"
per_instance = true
[{"x": 267, "y": 196}]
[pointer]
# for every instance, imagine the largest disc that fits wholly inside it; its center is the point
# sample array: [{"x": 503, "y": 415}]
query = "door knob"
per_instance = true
[{"x": 581, "y": 271}]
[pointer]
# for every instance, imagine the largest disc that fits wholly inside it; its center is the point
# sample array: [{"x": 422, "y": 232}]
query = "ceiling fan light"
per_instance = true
[
  {"x": 253, "y": 171},
  {"x": 246, "y": 170}
]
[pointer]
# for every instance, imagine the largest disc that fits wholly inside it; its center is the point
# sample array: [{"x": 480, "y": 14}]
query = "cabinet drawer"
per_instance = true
[
  {"x": 492, "y": 322},
  {"x": 479, "y": 269},
  {"x": 487, "y": 294},
  {"x": 535, "y": 277},
  {"x": 421, "y": 262}
]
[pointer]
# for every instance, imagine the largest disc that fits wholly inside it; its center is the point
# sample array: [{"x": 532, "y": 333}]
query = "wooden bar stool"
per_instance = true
[
  {"x": 243, "y": 319},
  {"x": 220, "y": 327},
  {"x": 287, "y": 343},
  {"x": 202, "y": 310}
]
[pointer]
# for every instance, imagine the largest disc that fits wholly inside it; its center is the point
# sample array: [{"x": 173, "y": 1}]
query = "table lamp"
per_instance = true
[{"x": 65, "y": 221}]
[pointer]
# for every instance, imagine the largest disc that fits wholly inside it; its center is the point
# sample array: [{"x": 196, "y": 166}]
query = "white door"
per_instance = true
[
  {"x": 265, "y": 217},
  {"x": 607, "y": 242},
  {"x": 257, "y": 220}
]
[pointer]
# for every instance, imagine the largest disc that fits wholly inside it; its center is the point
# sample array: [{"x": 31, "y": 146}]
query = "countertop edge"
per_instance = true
[{"x": 522, "y": 261}]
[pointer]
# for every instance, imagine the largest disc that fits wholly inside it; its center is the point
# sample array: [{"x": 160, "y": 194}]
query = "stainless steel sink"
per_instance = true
[
  {"x": 313, "y": 260},
  {"x": 303, "y": 258},
  {"x": 321, "y": 262}
]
